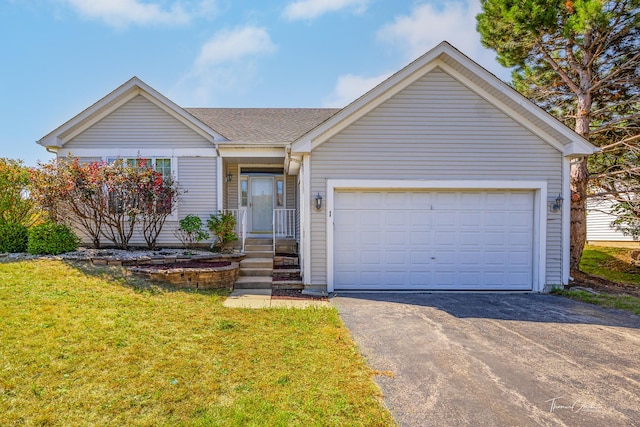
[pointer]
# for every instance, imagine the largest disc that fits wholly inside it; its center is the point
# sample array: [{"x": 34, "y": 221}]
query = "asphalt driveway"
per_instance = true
[{"x": 497, "y": 359}]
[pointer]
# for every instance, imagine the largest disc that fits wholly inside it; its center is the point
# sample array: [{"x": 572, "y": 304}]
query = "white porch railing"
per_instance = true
[
  {"x": 284, "y": 223},
  {"x": 241, "y": 223}
]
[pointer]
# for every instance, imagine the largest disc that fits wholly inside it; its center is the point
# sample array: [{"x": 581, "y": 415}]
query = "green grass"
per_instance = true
[
  {"x": 611, "y": 263},
  {"x": 79, "y": 348},
  {"x": 621, "y": 302}
]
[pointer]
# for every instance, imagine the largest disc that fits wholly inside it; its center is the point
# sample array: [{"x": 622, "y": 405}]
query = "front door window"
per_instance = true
[{"x": 261, "y": 203}]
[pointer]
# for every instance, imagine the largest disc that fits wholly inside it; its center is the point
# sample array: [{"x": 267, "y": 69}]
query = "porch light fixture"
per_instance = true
[
  {"x": 229, "y": 177},
  {"x": 557, "y": 203},
  {"x": 318, "y": 200}
]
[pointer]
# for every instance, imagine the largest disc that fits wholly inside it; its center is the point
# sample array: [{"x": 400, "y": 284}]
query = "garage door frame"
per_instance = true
[{"x": 539, "y": 213}]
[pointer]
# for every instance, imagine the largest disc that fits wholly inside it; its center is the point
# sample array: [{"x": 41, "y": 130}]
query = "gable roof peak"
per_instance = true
[
  {"x": 446, "y": 57},
  {"x": 114, "y": 100}
]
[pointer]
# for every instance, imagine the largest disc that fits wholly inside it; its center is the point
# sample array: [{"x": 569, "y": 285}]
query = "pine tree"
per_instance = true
[{"x": 580, "y": 61}]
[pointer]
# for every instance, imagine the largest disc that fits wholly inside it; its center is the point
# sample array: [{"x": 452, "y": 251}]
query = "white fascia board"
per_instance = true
[
  {"x": 134, "y": 152},
  {"x": 301, "y": 146},
  {"x": 540, "y": 212},
  {"x": 578, "y": 149},
  {"x": 226, "y": 151}
]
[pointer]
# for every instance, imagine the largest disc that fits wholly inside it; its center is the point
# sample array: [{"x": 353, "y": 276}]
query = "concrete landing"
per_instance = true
[{"x": 261, "y": 298}]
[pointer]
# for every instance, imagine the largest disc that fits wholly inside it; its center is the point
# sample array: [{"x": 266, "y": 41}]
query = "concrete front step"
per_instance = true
[
  {"x": 258, "y": 248},
  {"x": 258, "y": 241},
  {"x": 250, "y": 271},
  {"x": 259, "y": 254},
  {"x": 287, "y": 284},
  {"x": 256, "y": 263},
  {"x": 249, "y": 282}
]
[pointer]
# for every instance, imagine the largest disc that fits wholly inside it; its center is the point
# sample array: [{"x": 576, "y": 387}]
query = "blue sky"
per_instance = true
[{"x": 60, "y": 56}]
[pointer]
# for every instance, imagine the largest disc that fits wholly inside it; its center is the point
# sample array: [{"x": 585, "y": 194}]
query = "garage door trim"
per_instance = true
[{"x": 539, "y": 214}]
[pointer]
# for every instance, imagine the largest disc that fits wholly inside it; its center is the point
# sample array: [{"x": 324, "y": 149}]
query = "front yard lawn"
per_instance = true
[
  {"x": 612, "y": 274},
  {"x": 82, "y": 348}
]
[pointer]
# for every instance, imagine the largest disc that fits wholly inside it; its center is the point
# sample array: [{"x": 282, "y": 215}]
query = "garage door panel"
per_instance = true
[
  {"x": 469, "y": 238},
  {"x": 419, "y": 219},
  {"x": 495, "y": 219},
  {"x": 445, "y": 218},
  {"x": 443, "y": 239},
  {"x": 418, "y": 257},
  {"x": 450, "y": 240},
  {"x": 371, "y": 257},
  {"x": 519, "y": 219},
  {"x": 494, "y": 238},
  {"x": 395, "y": 258},
  {"x": 470, "y": 258}
]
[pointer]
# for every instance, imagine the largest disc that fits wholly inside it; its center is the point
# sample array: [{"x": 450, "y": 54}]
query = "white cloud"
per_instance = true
[
  {"x": 310, "y": 9},
  {"x": 233, "y": 45},
  {"x": 123, "y": 13},
  {"x": 350, "y": 87},
  {"x": 226, "y": 63},
  {"x": 428, "y": 25}
]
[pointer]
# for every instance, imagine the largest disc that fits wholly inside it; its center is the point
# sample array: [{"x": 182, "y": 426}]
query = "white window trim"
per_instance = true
[{"x": 539, "y": 212}]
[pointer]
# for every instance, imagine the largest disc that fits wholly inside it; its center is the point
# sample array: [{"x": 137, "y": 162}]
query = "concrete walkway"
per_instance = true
[{"x": 261, "y": 298}]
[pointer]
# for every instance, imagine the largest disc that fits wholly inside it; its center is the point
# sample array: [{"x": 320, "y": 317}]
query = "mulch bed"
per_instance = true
[
  {"x": 187, "y": 264},
  {"x": 294, "y": 294},
  {"x": 600, "y": 284}
]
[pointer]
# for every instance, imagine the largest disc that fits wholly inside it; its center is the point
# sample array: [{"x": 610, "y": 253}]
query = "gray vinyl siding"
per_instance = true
[
  {"x": 290, "y": 186},
  {"x": 599, "y": 226},
  {"x": 197, "y": 175},
  {"x": 138, "y": 124},
  {"x": 435, "y": 129},
  {"x": 233, "y": 187}
]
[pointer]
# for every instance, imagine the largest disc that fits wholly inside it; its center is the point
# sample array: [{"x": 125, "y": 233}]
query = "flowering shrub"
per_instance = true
[{"x": 106, "y": 200}]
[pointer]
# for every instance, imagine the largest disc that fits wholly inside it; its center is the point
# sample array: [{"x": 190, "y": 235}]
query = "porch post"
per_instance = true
[
  {"x": 305, "y": 214},
  {"x": 219, "y": 184}
]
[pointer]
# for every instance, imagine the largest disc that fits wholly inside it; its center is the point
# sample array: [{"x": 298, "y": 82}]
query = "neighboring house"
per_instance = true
[
  {"x": 440, "y": 178},
  {"x": 599, "y": 219}
]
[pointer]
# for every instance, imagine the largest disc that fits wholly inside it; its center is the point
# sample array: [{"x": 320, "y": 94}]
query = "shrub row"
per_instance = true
[{"x": 43, "y": 239}]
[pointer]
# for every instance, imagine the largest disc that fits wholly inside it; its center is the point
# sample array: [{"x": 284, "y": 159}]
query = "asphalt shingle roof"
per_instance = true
[{"x": 262, "y": 124}]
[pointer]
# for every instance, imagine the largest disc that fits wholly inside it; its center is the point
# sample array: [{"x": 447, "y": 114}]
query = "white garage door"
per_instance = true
[{"x": 440, "y": 240}]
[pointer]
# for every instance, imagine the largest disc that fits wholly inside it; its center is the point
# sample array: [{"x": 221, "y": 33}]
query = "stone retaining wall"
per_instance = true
[{"x": 196, "y": 278}]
